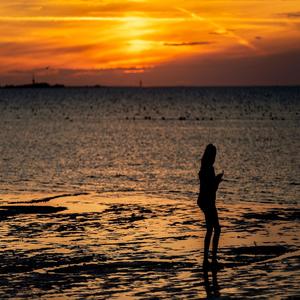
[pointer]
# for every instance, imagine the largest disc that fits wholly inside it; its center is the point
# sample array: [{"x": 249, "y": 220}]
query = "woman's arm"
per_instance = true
[{"x": 218, "y": 179}]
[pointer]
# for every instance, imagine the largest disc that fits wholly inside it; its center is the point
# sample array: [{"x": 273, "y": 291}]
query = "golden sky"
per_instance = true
[{"x": 115, "y": 42}]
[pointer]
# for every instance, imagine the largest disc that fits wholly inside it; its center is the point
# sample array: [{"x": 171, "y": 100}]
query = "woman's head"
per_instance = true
[{"x": 209, "y": 155}]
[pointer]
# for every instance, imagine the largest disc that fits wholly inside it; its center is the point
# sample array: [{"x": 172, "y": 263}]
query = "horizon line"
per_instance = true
[{"x": 59, "y": 85}]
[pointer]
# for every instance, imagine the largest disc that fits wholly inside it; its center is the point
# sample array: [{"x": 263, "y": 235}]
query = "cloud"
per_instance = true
[
  {"x": 291, "y": 15},
  {"x": 276, "y": 69},
  {"x": 89, "y": 19},
  {"x": 187, "y": 44},
  {"x": 77, "y": 71},
  {"x": 222, "y": 31},
  {"x": 21, "y": 48},
  {"x": 90, "y": 8}
]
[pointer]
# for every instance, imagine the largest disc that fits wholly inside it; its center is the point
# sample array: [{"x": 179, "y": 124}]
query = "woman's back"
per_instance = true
[{"x": 207, "y": 195}]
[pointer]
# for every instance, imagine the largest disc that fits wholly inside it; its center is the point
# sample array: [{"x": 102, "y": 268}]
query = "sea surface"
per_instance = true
[
  {"x": 151, "y": 140},
  {"x": 98, "y": 190}
]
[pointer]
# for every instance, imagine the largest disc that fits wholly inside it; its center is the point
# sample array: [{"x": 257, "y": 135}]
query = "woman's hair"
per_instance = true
[{"x": 209, "y": 155}]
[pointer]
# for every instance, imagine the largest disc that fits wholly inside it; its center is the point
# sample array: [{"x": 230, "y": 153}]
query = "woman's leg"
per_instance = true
[
  {"x": 217, "y": 232},
  {"x": 209, "y": 230}
]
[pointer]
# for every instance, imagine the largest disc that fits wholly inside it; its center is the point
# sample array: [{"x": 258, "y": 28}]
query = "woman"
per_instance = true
[{"x": 209, "y": 184}]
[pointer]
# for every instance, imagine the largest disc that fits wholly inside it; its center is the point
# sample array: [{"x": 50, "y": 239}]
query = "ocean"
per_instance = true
[
  {"x": 150, "y": 140},
  {"x": 99, "y": 187}
]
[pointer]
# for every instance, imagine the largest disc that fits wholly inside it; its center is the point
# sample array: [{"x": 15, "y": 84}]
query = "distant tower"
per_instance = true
[
  {"x": 141, "y": 83},
  {"x": 33, "y": 79}
]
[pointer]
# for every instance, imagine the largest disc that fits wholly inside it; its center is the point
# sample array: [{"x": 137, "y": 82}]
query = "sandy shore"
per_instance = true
[{"x": 137, "y": 246}]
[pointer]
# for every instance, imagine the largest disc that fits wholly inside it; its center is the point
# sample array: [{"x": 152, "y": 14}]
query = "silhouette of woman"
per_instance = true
[{"x": 209, "y": 184}]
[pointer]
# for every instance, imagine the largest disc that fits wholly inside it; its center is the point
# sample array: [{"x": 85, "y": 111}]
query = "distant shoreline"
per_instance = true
[
  {"x": 34, "y": 85},
  {"x": 55, "y": 86}
]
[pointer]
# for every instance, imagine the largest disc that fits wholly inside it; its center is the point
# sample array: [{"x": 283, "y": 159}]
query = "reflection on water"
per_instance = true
[
  {"x": 212, "y": 287},
  {"x": 134, "y": 245}
]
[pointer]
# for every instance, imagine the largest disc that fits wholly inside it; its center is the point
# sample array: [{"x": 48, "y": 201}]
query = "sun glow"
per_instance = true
[{"x": 139, "y": 45}]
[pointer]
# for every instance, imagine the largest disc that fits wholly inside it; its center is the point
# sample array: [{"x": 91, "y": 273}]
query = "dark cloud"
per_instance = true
[
  {"x": 292, "y": 15},
  {"x": 66, "y": 71},
  {"x": 216, "y": 33},
  {"x": 187, "y": 44},
  {"x": 276, "y": 69},
  {"x": 19, "y": 48}
]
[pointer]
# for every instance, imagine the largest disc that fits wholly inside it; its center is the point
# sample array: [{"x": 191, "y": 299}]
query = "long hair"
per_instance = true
[{"x": 209, "y": 156}]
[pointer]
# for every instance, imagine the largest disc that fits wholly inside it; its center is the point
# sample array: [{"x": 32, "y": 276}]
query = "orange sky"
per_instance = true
[{"x": 185, "y": 42}]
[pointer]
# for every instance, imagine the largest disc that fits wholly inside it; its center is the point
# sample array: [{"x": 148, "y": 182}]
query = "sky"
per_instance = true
[{"x": 161, "y": 42}]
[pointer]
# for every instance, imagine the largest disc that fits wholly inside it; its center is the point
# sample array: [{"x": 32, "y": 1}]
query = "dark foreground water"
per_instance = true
[{"x": 98, "y": 190}]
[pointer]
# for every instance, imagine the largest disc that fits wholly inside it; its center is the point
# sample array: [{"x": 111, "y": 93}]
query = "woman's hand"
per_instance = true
[{"x": 220, "y": 177}]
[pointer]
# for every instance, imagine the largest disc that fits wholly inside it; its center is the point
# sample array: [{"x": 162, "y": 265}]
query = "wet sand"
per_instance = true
[{"x": 138, "y": 246}]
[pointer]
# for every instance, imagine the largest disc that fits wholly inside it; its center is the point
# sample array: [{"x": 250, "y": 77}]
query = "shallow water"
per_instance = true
[
  {"x": 142, "y": 247},
  {"x": 98, "y": 191}
]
